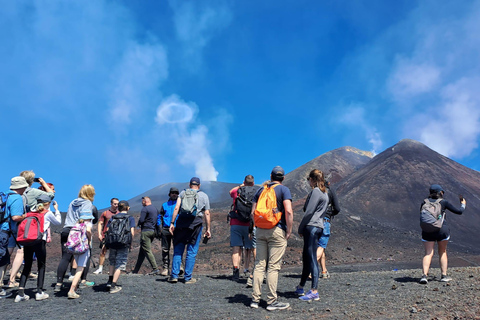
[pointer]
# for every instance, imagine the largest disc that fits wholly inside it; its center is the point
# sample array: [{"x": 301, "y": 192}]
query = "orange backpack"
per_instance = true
[{"x": 266, "y": 214}]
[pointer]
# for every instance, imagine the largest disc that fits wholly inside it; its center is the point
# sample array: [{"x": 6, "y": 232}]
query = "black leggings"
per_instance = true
[
  {"x": 67, "y": 258},
  {"x": 40, "y": 250}
]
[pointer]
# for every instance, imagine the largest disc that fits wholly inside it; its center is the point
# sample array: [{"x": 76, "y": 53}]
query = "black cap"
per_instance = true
[
  {"x": 195, "y": 181},
  {"x": 435, "y": 188},
  {"x": 278, "y": 172},
  {"x": 173, "y": 190}
]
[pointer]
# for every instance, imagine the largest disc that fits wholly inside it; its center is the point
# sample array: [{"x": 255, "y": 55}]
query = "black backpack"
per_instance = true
[
  {"x": 118, "y": 234},
  {"x": 330, "y": 211},
  {"x": 243, "y": 203}
]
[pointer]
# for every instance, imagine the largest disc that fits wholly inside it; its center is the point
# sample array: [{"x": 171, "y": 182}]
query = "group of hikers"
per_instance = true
[{"x": 261, "y": 222}]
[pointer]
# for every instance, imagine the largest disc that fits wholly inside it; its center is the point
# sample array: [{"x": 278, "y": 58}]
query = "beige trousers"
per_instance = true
[{"x": 271, "y": 245}]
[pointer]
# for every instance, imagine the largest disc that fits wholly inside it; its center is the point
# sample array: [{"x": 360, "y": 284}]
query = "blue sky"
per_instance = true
[{"x": 128, "y": 95}]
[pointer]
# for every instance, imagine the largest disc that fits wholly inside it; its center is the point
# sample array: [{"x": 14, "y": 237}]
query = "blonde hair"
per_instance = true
[
  {"x": 40, "y": 207},
  {"x": 318, "y": 179},
  {"x": 87, "y": 192},
  {"x": 29, "y": 175}
]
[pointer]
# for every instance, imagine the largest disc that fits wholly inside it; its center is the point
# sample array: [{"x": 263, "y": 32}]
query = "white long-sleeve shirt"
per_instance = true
[{"x": 53, "y": 218}]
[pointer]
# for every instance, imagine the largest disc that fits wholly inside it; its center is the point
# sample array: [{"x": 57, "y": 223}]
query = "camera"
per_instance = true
[
  {"x": 205, "y": 239},
  {"x": 36, "y": 179}
]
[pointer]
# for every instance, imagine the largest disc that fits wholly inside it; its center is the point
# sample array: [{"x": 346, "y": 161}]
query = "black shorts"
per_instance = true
[{"x": 441, "y": 235}]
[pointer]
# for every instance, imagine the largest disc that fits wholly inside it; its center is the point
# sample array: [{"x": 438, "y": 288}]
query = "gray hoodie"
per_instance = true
[
  {"x": 76, "y": 206},
  {"x": 315, "y": 207}
]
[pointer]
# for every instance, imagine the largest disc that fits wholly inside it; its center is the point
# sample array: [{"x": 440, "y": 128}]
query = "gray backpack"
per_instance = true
[
  {"x": 431, "y": 215},
  {"x": 189, "y": 203}
]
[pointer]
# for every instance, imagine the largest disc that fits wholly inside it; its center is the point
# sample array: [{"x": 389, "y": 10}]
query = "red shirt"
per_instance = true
[
  {"x": 233, "y": 221},
  {"x": 105, "y": 217}
]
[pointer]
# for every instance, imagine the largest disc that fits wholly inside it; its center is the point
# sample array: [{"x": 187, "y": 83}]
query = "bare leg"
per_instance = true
[
  {"x": 427, "y": 258},
  {"x": 247, "y": 258},
  {"x": 442, "y": 252},
  {"x": 17, "y": 263},
  {"x": 321, "y": 258},
  {"x": 102, "y": 256},
  {"x": 116, "y": 275},
  {"x": 236, "y": 256},
  {"x": 76, "y": 279}
]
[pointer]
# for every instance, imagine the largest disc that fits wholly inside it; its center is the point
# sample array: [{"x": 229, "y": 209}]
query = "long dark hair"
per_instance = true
[
  {"x": 318, "y": 179},
  {"x": 436, "y": 195}
]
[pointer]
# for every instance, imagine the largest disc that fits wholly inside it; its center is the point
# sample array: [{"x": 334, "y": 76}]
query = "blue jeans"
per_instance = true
[
  {"x": 310, "y": 263},
  {"x": 192, "y": 250}
]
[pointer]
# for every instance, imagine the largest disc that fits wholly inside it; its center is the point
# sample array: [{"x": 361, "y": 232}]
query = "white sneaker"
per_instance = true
[
  {"x": 98, "y": 271},
  {"x": 19, "y": 298},
  {"x": 41, "y": 296},
  {"x": 71, "y": 278}
]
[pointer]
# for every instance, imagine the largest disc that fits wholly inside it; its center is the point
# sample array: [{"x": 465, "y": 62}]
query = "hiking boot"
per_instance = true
[
  {"x": 254, "y": 305},
  {"x": 310, "y": 296},
  {"x": 116, "y": 289},
  {"x": 164, "y": 272},
  {"x": 73, "y": 295},
  {"x": 236, "y": 274},
  {"x": 250, "y": 282},
  {"x": 445, "y": 278},
  {"x": 299, "y": 291},
  {"x": 192, "y": 280},
  {"x": 172, "y": 280},
  {"x": 278, "y": 306},
  {"x": 4, "y": 294},
  {"x": 424, "y": 279},
  {"x": 155, "y": 272},
  {"x": 19, "y": 298},
  {"x": 325, "y": 275},
  {"x": 41, "y": 296},
  {"x": 58, "y": 288}
]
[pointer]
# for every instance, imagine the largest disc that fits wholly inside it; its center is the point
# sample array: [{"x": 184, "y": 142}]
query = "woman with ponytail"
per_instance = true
[
  {"x": 310, "y": 229},
  {"x": 39, "y": 249}
]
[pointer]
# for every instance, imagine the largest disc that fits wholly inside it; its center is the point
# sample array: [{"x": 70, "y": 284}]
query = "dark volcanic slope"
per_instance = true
[
  {"x": 358, "y": 295},
  {"x": 216, "y": 191},
  {"x": 389, "y": 190},
  {"x": 336, "y": 164}
]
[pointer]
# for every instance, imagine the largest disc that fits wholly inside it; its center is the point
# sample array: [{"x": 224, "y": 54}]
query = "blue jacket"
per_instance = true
[{"x": 166, "y": 213}]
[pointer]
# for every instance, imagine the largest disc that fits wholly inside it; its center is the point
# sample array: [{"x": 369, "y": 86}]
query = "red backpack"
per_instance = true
[{"x": 30, "y": 230}]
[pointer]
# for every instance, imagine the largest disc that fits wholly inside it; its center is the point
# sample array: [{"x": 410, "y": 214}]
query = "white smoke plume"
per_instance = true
[
  {"x": 191, "y": 137},
  {"x": 354, "y": 116}
]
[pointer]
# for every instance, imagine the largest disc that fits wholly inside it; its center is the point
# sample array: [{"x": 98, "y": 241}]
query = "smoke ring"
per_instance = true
[{"x": 175, "y": 112}]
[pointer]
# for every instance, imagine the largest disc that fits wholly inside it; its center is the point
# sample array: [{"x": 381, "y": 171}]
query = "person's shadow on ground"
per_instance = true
[
  {"x": 239, "y": 298},
  {"x": 406, "y": 279}
]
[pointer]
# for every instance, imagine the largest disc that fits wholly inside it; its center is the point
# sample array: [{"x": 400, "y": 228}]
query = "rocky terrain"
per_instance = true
[
  {"x": 336, "y": 165},
  {"x": 346, "y": 295},
  {"x": 374, "y": 251},
  {"x": 388, "y": 191}
]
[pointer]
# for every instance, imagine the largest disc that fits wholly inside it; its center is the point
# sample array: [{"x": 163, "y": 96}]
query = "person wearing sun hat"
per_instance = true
[{"x": 14, "y": 213}]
